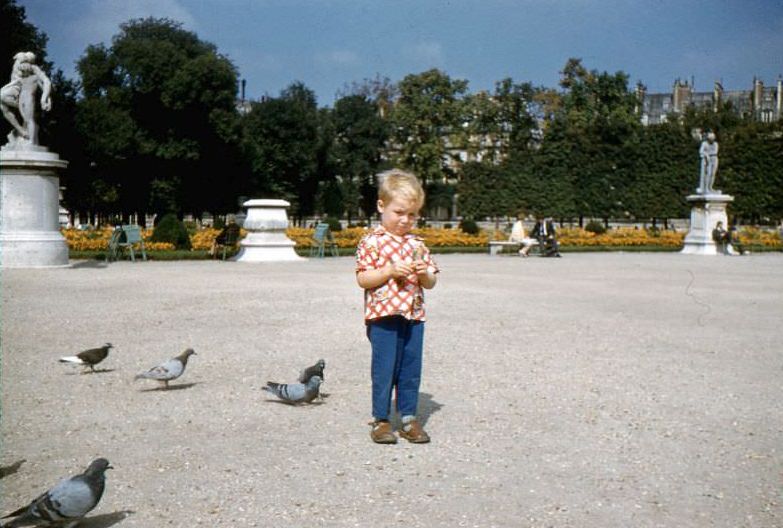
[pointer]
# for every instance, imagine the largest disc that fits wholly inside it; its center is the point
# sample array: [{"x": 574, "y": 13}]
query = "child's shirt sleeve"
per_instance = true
[{"x": 366, "y": 254}]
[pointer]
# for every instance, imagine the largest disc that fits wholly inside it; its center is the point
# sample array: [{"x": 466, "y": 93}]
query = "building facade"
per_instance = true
[{"x": 762, "y": 103}]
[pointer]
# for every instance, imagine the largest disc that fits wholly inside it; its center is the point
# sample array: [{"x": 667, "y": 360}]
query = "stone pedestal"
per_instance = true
[
  {"x": 707, "y": 211},
  {"x": 29, "y": 209},
  {"x": 266, "y": 223}
]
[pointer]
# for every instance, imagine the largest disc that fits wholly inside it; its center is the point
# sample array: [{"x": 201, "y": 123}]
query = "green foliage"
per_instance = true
[
  {"x": 469, "y": 226},
  {"x": 427, "y": 118},
  {"x": 158, "y": 119},
  {"x": 282, "y": 140},
  {"x": 360, "y": 136},
  {"x": 20, "y": 35},
  {"x": 596, "y": 227},
  {"x": 171, "y": 229}
]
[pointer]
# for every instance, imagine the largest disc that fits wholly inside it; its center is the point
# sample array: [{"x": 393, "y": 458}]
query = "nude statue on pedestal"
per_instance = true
[
  {"x": 708, "y": 151},
  {"x": 17, "y": 99}
]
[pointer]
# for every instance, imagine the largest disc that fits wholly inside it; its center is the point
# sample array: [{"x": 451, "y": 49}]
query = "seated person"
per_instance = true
[
  {"x": 734, "y": 246},
  {"x": 518, "y": 235},
  {"x": 544, "y": 231},
  {"x": 721, "y": 238},
  {"x": 227, "y": 236}
]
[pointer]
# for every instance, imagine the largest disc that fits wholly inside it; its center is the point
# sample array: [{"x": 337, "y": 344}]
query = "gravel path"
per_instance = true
[{"x": 596, "y": 390}]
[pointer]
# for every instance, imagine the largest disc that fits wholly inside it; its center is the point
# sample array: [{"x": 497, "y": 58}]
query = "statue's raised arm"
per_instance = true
[{"x": 18, "y": 98}]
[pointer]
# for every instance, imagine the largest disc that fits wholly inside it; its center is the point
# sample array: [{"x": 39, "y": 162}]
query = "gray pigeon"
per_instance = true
[
  {"x": 170, "y": 370},
  {"x": 90, "y": 357},
  {"x": 295, "y": 392},
  {"x": 67, "y": 502},
  {"x": 313, "y": 370}
]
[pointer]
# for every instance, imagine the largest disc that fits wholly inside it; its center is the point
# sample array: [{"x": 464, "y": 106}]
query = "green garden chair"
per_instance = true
[
  {"x": 124, "y": 238},
  {"x": 322, "y": 237}
]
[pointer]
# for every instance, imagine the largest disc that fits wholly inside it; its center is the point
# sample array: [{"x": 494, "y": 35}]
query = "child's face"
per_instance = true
[{"x": 398, "y": 216}]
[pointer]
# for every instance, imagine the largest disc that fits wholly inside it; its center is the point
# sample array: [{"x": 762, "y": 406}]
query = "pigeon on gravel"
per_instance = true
[
  {"x": 313, "y": 370},
  {"x": 170, "y": 370},
  {"x": 295, "y": 392},
  {"x": 67, "y": 502},
  {"x": 89, "y": 358}
]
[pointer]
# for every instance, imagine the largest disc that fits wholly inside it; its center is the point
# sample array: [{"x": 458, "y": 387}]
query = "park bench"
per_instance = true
[
  {"x": 496, "y": 246},
  {"x": 322, "y": 237},
  {"x": 124, "y": 238}
]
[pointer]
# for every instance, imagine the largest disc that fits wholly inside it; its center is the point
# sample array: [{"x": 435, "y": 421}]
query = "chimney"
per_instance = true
[
  {"x": 717, "y": 95},
  {"x": 244, "y": 83},
  {"x": 779, "y": 105},
  {"x": 640, "y": 93},
  {"x": 758, "y": 90}
]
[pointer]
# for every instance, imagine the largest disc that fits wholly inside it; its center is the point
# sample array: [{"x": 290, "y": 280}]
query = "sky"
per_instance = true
[{"x": 329, "y": 44}]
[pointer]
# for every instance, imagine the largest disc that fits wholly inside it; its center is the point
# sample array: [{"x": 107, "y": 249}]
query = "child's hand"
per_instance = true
[
  {"x": 399, "y": 269},
  {"x": 419, "y": 267}
]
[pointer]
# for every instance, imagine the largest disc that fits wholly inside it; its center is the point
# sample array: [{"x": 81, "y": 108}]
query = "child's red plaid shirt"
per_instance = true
[{"x": 402, "y": 296}]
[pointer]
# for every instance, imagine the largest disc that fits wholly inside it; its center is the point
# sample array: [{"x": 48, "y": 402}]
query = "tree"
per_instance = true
[
  {"x": 19, "y": 35},
  {"x": 283, "y": 143},
  {"x": 428, "y": 120},
  {"x": 159, "y": 121},
  {"x": 359, "y": 141},
  {"x": 597, "y": 125}
]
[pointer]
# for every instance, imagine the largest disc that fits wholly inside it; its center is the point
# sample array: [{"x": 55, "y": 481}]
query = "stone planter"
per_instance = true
[{"x": 266, "y": 241}]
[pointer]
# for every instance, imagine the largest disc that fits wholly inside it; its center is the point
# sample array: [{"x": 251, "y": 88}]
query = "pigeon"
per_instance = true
[
  {"x": 89, "y": 358},
  {"x": 295, "y": 392},
  {"x": 170, "y": 370},
  {"x": 313, "y": 370},
  {"x": 67, "y": 502}
]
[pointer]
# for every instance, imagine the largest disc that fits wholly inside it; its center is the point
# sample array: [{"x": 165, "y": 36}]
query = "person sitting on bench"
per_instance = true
[
  {"x": 544, "y": 231},
  {"x": 518, "y": 235}
]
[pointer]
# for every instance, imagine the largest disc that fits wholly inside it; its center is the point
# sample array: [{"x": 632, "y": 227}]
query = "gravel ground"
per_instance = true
[{"x": 596, "y": 390}]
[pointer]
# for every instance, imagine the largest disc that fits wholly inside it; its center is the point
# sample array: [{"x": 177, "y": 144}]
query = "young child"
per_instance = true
[{"x": 393, "y": 265}]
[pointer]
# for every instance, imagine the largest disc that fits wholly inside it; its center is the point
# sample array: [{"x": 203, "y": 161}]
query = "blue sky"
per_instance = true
[{"x": 328, "y": 43}]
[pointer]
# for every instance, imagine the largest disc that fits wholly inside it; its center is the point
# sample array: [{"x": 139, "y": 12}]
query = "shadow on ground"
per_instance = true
[
  {"x": 6, "y": 471},
  {"x": 90, "y": 264},
  {"x": 105, "y": 520},
  {"x": 181, "y": 386},
  {"x": 427, "y": 407}
]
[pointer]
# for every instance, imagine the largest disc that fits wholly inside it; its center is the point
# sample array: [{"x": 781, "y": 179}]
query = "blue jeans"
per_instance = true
[{"x": 396, "y": 363}]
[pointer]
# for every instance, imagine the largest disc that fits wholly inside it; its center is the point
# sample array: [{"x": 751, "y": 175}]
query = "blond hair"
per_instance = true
[{"x": 396, "y": 183}]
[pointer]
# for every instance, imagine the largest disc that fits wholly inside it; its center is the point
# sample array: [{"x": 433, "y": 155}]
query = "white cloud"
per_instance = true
[
  {"x": 102, "y": 19},
  {"x": 428, "y": 53},
  {"x": 337, "y": 57}
]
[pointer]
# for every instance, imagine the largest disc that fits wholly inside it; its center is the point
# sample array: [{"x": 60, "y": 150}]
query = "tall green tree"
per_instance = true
[
  {"x": 284, "y": 143},
  {"x": 598, "y": 126},
  {"x": 359, "y": 141},
  {"x": 159, "y": 121},
  {"x": 427, "y": 121},
  {"x": 18, "y": 35}
]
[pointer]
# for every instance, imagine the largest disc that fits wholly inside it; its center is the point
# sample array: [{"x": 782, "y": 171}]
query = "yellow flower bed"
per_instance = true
[
  {"x": 96, "y": 240},
  {"x": 350, "y": 237},
  {"x": 757, "y": 237},
  {"x": 204, "y": 238},
  {"x": 624, "y": 236}
]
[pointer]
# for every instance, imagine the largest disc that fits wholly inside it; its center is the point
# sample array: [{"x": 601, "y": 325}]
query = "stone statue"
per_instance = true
[
  {"x": 17, "y": 99},
  {"x": 709, "y": 165}
]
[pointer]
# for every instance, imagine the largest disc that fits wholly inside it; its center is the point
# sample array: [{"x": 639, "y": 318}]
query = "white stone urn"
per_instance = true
[{"x": 266, "y": 241}]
